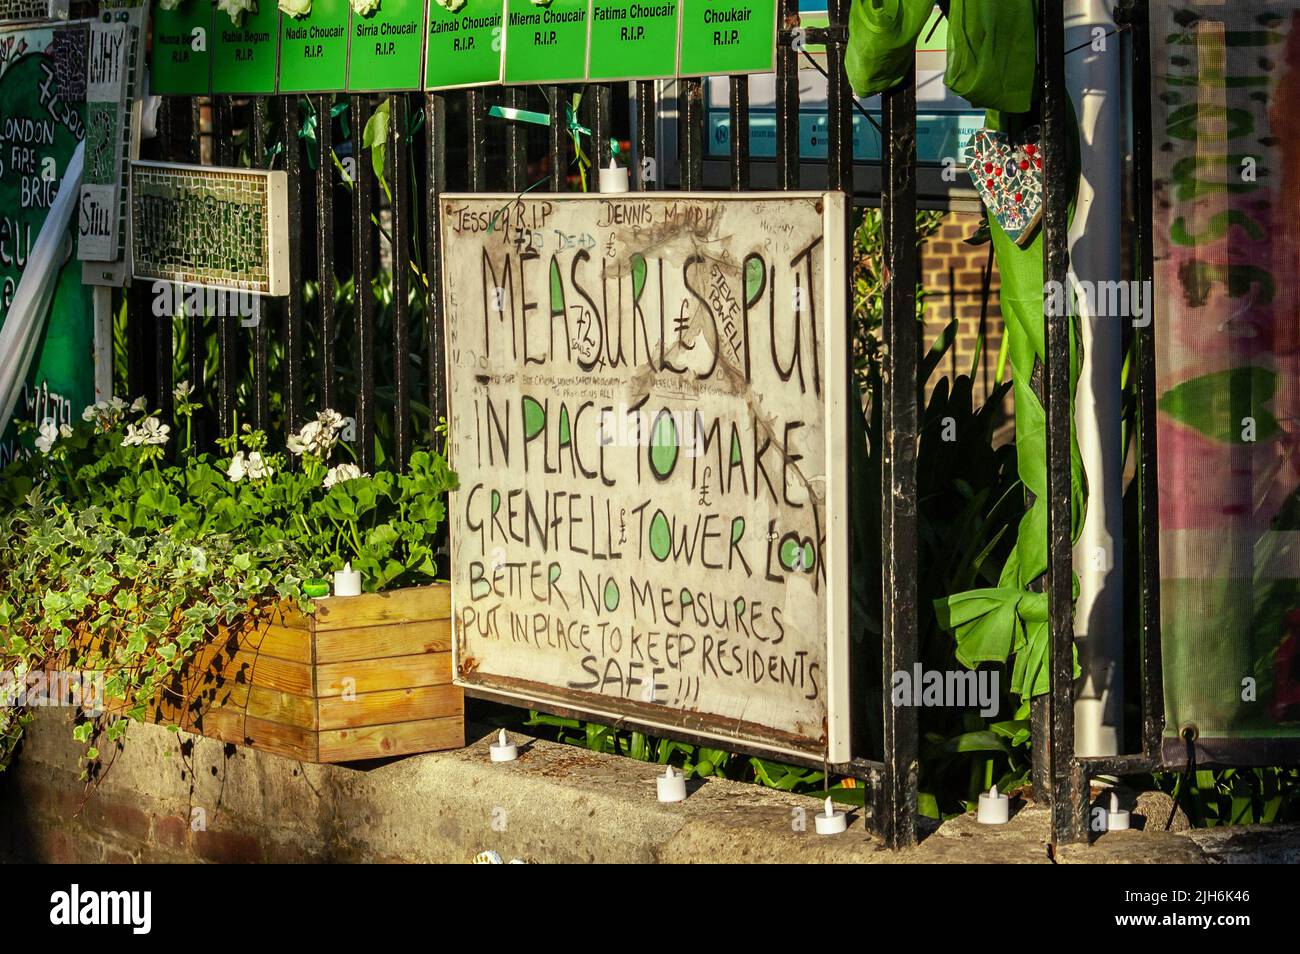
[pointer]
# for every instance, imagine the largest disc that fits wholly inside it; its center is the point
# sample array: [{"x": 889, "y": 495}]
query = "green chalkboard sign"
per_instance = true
[
  {"x": 728, "y": 36},
  {"x": 464, "y": 47},
  {"x": 546, "y": 44},
  {"x": 314, "y": 49},
  {"x": 182, "y": 43},
  {"x": 243, "y": 55},
  {"x": 633, "y": 40},
  {"x": 387, "y": 49}
]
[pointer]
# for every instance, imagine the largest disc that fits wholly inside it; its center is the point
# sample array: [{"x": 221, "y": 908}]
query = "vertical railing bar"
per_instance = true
[
  {"x": 557, "y": 143},
  {"x": 787, "y": 100},
  {"x": 646, "y": 177},
  {"x": 601, "y": 98},
  {"x": 435, "y": 111},
  {"x": 516, "y": 143},
  {"x": 164, "y": 331},
  {"x": 476, "y": 130},
  {"x": 325, "y": 245},
  {"x": 265, "y": 304},
  {"x": 690, "y": 132},
  {"x": 1153, "y": 693},
  {"x": 1069, "y": 804},
  {"x": 292, "y": 308},
  {"x": 900, "y": 425},
  {"x": 363, "y": 272},
  {"x": 839, "y": 100},
  {"x": 401, "y": 254},
  {"x": 739, "y": 109},
  {"x": 227, "y": 342}
]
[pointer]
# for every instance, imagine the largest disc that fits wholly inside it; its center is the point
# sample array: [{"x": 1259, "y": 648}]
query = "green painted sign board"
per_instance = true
[
  {"x": 546, "y": 44},
  {"x": 176, "y": 67},
  {"x": 464, "y": 47},
  {"x": 632, "y": 40},
  {"x": 387, "y": 47},
  {"x": 43, "y": 118},
  {"x": 314, "y": 49},
  {"x": 728, "y": 36},
  {"x": 243, "y": 55}
]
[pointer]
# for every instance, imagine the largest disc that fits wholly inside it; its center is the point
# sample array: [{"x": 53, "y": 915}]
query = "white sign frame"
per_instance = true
[{"x": 834, "y": 745}]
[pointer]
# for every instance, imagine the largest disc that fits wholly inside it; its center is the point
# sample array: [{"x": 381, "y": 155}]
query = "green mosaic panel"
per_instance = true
[{"x": 201, "y": 227}]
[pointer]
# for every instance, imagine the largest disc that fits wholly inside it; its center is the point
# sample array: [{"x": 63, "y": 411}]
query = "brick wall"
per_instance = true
[{"x": 952, "y": 274}]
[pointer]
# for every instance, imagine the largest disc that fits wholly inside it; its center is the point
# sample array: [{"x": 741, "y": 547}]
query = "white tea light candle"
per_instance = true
[
  {"x": 1116, "y": 820},
  {"x": 671, "y": 786},
  {"x": 347, "y": 581},
  {"x": 831, "y": 822},
  {"x": 614, "y": 179},
  {"x": 994, "y": 809},
  {"x": 503, "y": 750}
]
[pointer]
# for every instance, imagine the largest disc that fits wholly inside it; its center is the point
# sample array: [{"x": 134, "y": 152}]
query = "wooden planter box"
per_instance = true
[{"x": 364, "y": 677}]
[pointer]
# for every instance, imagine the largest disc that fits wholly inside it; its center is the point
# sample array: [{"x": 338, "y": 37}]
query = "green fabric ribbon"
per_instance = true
[
  {"x": 992, "y": 47},
  {"x": 882, "y": 42}
]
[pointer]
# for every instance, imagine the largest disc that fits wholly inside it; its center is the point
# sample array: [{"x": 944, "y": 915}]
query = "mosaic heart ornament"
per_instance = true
[{"x": 1008, "y": 173}]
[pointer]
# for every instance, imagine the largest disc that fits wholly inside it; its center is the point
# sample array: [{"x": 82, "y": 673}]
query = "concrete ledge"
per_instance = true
[{"x": 174, "y": 797}]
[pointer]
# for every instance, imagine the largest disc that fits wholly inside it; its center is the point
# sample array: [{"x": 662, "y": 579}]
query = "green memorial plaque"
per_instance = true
[
  {"x": 633, "y": 40},
  {"x": 314, "y": 49},
  {"x": 243, "y": 55},
  {"x": 728, "y": 36},
  {"x": 182, "y": 41},
  {"x": 387, "y": 47},
  {"x": 546, "y": 44},
  {"x": 465, "y": 46}
]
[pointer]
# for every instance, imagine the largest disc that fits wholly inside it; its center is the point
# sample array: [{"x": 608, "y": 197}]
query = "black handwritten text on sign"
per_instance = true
[{"x": 647, "y": 407}]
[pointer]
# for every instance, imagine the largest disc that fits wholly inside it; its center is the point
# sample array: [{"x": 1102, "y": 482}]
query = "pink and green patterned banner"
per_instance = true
[{"x": 1226, "y": 126}]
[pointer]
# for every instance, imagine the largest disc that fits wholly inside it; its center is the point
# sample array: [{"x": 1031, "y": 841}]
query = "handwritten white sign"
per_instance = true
[{"x": 648, "y": 416}]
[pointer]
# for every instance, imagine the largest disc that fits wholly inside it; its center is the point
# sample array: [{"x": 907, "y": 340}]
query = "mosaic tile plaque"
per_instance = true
[
  {"x": 221, "y": 228},
  {"x": 99, "y": 212},
  {"x": 15, "y": 11}
]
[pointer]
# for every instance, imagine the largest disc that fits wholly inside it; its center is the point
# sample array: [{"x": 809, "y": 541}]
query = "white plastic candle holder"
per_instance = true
[
  {"x": 671, "y": 786},
  {"x": 613, "y": 179},
  {"x": 1116, "y": 820},
  {"x": 503, "y": 750},
  {"x": 994, "y": 809},
  {"x": 831, "y": 822},
  {"x": 347, "y": 581}
]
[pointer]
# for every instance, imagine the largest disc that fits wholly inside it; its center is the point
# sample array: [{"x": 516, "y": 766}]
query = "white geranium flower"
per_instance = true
[
  {"x": 451, "y": 5},
  {"x": 363, "y": 8},
  {"x": 49, "y": 433},
  {"x": 182, "y": 391},
  {"x": 341, "y": 474},
  {"x": 257, "y": 467},
  {"x": 236, "y": 8},
  {"x": 331, "y": 419},
  {"x": 148, "y": 431},
  {"x": 139, "y": 404},
  {"x": 237, "y": 471},
  {"x": 91, "y": 412},
  {"x": 295, "y": 8},
  {"x": 318, "y": 437}
]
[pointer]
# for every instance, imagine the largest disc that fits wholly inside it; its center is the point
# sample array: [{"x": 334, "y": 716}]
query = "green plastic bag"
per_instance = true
[
  {"x": 882, "y": 42},
  {"x": 992, "y": 53}
]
